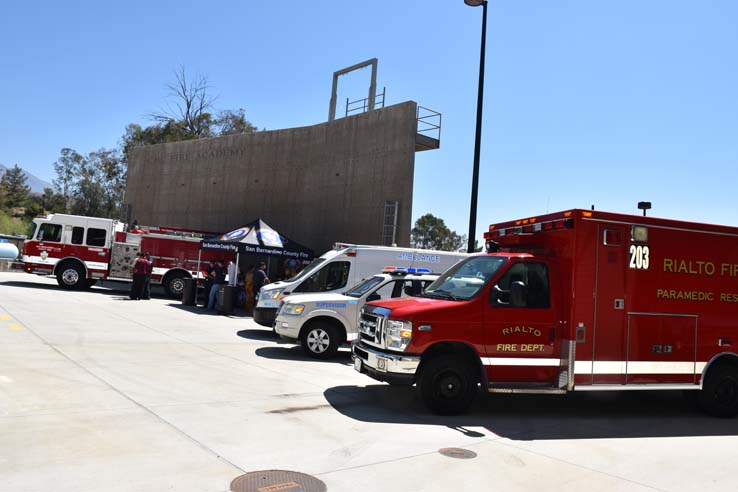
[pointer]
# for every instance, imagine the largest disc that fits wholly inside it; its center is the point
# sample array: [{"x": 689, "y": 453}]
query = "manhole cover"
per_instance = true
[
  {"x": 277, "y": 481},
  {"x": 462, "y": 454}
]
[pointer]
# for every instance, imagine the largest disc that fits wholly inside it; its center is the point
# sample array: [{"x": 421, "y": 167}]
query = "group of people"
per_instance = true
[
  {"x": 142, "y": 267},
  {"x": 252, "y": 281}
]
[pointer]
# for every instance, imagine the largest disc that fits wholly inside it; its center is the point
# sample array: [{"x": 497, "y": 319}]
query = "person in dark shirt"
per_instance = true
[
  {"x": 208, "y": 283},
  {"x": 219, "y": 276},
  {"x": 147, "y": 283},
  {"x": 140, "y": 268},
  {"x": 260, "y": 279}
]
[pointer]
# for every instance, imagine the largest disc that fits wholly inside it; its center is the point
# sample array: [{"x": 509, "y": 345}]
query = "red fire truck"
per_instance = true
[
  {"x": 571, "y": 301},
  {"x": 79, "y": 251}
]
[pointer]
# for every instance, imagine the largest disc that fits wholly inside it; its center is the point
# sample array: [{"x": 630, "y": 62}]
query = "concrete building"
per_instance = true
[{"x": 348, "y": 180}]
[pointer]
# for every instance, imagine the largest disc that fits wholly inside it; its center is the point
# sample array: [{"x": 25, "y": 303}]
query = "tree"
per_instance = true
[
  {"x": 191, "y": 105},
  {"x": 67, "y": 170},
  {"x": 91, "y": 185},
  {"x": 53, "y": 202},
  {"x": 431, "y": 232},
  {"x": 231, "y": 122},
  {"x": 14, "y": 189}
]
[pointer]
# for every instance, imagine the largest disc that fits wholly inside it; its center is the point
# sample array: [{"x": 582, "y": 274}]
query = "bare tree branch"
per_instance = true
[{"x": 191, "y": 106}]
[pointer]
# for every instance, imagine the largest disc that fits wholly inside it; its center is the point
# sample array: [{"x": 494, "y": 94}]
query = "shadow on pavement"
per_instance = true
[
  {"x": 107, "y": 288},
  {"x": 590, "y": 415},
  {"x": 295, "y": 353},
  {"x": 265, "y": 335}
]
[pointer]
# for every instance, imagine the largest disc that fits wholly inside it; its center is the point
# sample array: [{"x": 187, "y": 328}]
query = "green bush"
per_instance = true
[{"x": 12, "y": 226}]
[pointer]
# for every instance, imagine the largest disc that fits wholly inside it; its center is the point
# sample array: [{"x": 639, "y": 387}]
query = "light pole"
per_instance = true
[{"x": 478, "y": 139}]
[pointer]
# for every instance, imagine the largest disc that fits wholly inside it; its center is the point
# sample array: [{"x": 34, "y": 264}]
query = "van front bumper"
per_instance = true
[
  {"x": 265, "y": 316},
  {"x": 287, "y": 327},
  {"x": 385, "y": 366}
]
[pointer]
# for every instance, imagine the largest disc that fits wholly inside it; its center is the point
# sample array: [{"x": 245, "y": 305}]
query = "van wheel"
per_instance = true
[
  {"x": 319, "y": 340},
  {"x": 71, "y": 276},
  {"x": 448, "y": 384},
  {"x": 719, "y": 395},
  {"x": 174, "y": 284}
]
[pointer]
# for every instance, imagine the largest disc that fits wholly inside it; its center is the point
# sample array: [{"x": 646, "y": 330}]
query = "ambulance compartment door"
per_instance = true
[
  {"x": 609, "y": 337},
  {"x": 661, "y": 348}
]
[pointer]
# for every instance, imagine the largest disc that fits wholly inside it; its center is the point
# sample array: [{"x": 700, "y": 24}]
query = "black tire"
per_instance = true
[
  {"x": 70, "y": 275},
  {"x": 320, "y": 340},
  {"x": 174, "y": 284},
  {"x": 719, "y": 395},
  {"x": 448, "y": 384}
]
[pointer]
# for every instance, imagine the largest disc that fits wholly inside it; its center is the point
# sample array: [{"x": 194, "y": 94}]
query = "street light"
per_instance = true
[{"x": 478, "y": 140}]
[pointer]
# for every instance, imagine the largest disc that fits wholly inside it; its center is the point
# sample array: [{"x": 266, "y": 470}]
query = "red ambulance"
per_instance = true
[{"x": 572, "y": 301}]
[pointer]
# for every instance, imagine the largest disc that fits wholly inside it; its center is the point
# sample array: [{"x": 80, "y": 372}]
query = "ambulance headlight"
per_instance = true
[
  {"x": 398, "y": 334},
  {"x": 274, "y": 294},
  {"x": 292, "y": 309}
]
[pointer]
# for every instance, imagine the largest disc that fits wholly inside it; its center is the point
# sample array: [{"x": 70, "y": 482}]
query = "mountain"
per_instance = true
[{"x": 37, "y": 184}]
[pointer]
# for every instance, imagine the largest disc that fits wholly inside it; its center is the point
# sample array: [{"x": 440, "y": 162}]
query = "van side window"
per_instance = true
[
  {"x": 50, "y": 232},
  {"x": 78, "y": 234},
  {"x": 96, "y": 237},
  {"x": 535, "y": 278},
  {"x": 331, "y": 277}
]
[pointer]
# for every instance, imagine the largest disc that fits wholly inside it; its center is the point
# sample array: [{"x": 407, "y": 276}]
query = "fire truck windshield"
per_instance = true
[
  {"x": 31, "y": 230},
  {"x": 465, "y": 279}
]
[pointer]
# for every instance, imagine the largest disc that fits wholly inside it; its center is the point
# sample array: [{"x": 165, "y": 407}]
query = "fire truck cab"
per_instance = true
[
  {"x": 571, "y": 301},
  {"x": 73, "y": 248}
]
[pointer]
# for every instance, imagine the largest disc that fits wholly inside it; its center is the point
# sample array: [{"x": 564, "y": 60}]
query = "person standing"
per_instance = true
[
  {"x": 147, "y": 284},
  {"x": 208, "y": 283},
  {"x": 249, "y": 288},
  {"x": 219, "y": 275},
  {"x": 140, "y": 267},
  {"x": 260, "y": 279}
]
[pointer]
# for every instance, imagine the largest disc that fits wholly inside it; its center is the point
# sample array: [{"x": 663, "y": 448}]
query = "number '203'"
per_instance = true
[{"x": 639, "y": 257}]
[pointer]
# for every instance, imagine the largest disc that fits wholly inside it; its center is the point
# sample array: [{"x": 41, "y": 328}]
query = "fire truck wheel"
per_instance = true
[
  {"x": 174, "y": 284},
  {"x": 319, "y": 340},
  {"x": 70, "y": 275},
  {"x": 448, "y": 384},
  {"x": 719, "y": 395}
]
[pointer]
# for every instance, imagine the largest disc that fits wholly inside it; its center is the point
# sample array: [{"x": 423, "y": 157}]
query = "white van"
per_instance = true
[
  {"x": 322, "y": 322},
  {"x": 346, "y": 265}
]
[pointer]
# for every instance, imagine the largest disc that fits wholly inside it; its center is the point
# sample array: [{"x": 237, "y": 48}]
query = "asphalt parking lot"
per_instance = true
[{"x": 100, "y": 393}]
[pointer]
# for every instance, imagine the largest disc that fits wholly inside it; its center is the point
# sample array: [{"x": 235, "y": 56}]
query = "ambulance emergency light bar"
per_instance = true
[
  {"x": 531, "y": 225},
  {"x": 389, "y": 269}
]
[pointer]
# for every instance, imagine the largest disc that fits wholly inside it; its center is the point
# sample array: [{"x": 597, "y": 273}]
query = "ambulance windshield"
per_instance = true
[
  {"x": 465, "y": 279},
  {"x": 308, "y": 269},
  {"x": 363, "y": 287}
]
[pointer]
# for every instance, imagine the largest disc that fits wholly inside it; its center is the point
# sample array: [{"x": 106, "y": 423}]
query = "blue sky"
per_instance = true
[{"x": 603, "y": 103}]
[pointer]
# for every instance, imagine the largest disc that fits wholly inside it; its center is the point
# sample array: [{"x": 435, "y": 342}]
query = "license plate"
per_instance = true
[{"x": 357, "y": 364}]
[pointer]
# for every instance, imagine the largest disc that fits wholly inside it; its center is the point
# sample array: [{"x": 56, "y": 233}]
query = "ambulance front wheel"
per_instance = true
[
  {"x": 719, "y": 395},
  {"x": 320, "y": 340},
  {"x": 448, "y": 384}
]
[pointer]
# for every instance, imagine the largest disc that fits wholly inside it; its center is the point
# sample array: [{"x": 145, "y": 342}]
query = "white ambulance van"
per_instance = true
[{"x": 346, "y": 265}]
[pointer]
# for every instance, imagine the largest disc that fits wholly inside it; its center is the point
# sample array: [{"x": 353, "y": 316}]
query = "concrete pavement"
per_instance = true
[{"x": 101, "y": 393}]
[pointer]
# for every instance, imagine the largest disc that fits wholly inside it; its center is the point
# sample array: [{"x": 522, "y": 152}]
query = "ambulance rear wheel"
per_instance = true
[
  {"x": 719, "y": 395},
  {"x": 70, "y": 275},
  {"x": 319, "y": 340},
  {"x": 448, "y": 384}
]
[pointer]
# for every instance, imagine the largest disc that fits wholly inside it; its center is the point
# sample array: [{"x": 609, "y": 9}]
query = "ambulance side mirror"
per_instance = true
[{"x": 373, "y": 297}]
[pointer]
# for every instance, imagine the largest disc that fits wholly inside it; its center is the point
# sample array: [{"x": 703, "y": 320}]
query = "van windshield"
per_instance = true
[
  {"x": 465, "y": 279},
  {"x": 365, "y": 286},
  {"x": 308, "y": 269}
]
